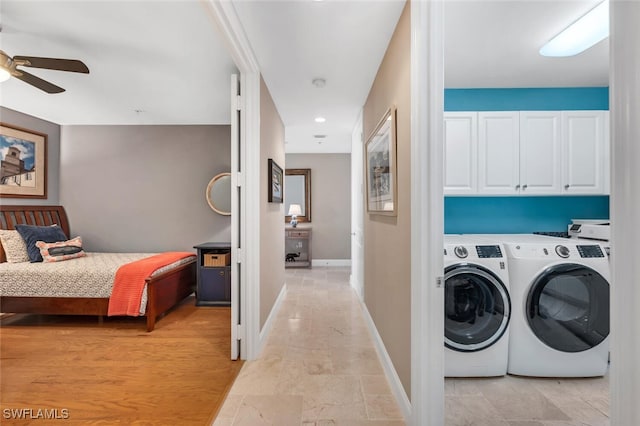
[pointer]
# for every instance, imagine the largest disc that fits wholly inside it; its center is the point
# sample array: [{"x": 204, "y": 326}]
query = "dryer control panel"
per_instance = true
[{"x": 588, "y": 251}]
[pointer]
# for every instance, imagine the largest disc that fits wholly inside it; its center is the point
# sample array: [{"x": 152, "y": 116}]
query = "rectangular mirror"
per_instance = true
[{"x": 297, "y": 190}]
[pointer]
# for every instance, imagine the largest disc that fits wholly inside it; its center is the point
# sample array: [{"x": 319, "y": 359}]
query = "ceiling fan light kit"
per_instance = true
[
  {"x": 4, "y": 75},
  {"x": 591, "y": 28},
  {"x": 9, "y": 66}
]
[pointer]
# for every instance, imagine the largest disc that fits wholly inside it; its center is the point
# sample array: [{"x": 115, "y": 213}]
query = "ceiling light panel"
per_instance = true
[{"x": 587, "y": 31}]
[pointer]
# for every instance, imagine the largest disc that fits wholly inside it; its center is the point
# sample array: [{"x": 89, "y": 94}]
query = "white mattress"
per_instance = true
[{"x": 89, "y": 276}]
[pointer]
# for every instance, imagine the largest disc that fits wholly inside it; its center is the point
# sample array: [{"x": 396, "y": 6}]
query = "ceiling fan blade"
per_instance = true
[
  {"x": 38, "y": 82},
  {"x": 72, "y": 65}
]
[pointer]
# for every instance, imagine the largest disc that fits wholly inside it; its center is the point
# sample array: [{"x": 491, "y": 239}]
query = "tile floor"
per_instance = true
[
  {"x": 319, "y": 365},
  {"x": 319, "y": 368},
  {"x": 525, "y": 401}
]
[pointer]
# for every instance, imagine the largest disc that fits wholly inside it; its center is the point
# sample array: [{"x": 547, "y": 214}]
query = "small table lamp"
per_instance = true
[{"x": 294, "y": 211}]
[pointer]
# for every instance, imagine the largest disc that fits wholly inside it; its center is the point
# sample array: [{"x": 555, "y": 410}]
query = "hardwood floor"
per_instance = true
[{"x": 106, "y": 371}]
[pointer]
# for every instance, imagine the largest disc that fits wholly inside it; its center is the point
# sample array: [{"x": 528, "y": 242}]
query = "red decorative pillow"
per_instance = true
[{"x": 61, "y": 250}]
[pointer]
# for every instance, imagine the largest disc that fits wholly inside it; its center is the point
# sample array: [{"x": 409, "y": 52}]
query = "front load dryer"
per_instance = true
[
  {"x": 477, "y": 308},
  {"x": 560, "y": 319}
]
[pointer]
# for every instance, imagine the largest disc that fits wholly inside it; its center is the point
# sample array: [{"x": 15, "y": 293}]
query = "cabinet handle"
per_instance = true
[
  {"x": 517, "y": 187},
  {"x": 566, "y": 186},
  {"x": 524, "y": 187},
  {"x": 221, "y": 273}
]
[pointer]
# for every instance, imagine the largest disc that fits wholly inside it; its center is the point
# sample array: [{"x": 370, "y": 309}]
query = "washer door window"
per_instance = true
[
  {"x": 477, "y": 308},
  {"x": 568, "y": 307}
]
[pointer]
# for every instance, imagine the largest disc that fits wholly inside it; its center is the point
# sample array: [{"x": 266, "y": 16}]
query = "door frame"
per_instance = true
[
  {"x": 427, "y": 213},
  {"x": 246, "y": 247},
  {"x": 357, "y": 208}
]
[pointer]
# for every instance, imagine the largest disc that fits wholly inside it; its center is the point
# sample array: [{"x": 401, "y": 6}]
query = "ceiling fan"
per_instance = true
[{"x": 9, "y": 68}]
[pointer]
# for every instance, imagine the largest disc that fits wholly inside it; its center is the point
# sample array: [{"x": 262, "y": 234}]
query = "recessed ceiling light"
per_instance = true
[{"x": 320, "y": 119}]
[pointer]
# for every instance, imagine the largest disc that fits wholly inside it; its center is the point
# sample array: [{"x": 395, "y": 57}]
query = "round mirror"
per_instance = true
[{"x": 219, "y": 194}]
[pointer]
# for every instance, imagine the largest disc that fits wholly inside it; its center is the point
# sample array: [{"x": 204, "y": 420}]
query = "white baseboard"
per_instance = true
[
  {"x": 268, "y": 324},
  {"x": 390, "y": 372},
  {"x": 330, "y": 262},
  {"x": 356, "y": 289}
]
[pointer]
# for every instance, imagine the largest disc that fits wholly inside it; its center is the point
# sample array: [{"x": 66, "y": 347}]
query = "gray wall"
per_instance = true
[
  {"x": 52, "y": 130},
  {"x": 142, "y": 188},
  {"x": 330, "y": 202}
]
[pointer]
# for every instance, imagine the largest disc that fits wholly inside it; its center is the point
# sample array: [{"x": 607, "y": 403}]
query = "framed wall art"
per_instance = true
[
  {"x": 380, "y": 158},
  {"x": 276, "y": 182},
  {"x": 23, "y": 163}
]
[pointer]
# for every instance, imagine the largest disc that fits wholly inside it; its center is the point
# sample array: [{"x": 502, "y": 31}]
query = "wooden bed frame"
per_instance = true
[{"x": 163, "y": 291}]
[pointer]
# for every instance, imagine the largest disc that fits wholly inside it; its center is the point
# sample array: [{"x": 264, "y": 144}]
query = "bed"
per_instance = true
[{"x": 164, "y": 288}]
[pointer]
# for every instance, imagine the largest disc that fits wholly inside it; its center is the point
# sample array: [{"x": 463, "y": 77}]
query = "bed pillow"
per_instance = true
[
  {"x": 62, "y": 250},
  {"x": 14, "y": 247},
  {"x": 31, "y": 234}
]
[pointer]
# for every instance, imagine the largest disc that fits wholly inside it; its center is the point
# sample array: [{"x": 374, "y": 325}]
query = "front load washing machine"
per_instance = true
[
  {"x": 477, "y": 308},
  {"x": 560, "y": 294}
]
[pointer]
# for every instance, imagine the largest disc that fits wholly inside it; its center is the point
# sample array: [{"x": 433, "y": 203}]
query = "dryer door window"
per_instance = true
[
  {"x": 568, "y": 307},
  {"x": 477, "y": 308}
]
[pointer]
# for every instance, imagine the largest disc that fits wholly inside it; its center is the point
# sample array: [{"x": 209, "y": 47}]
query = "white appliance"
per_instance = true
[
  {"x": 560, "y": 293},
  {"x": 477, "y": 308},
  {"x": 591, "y": 229}
]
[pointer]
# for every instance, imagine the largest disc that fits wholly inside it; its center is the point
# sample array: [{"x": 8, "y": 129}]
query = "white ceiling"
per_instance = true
[
  {"x": 161, "y": 62},
  {"x": 496, "y": 43},
  {"x": 150, "y": 62}
]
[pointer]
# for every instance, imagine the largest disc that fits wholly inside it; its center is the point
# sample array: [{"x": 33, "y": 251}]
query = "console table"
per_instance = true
[{"x": 297, "y": 247}]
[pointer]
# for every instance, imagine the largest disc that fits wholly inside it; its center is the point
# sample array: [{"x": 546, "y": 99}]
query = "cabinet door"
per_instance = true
[
  {"x": 540, "y": 152},
  {"x": 584, "y": 152},
  {"x": 498, "y": 152},
  {"x": 460, "y": 153}
]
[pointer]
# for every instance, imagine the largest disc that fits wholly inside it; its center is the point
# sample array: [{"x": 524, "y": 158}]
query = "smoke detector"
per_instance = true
[{"x": 319, "y": 82}]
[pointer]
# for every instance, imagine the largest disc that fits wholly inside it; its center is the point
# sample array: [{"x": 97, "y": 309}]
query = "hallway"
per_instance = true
[{"x": 319, "y": 366}]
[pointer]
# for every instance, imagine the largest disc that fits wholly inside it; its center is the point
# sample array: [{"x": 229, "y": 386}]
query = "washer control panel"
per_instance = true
[
  {"x": 590, "y": 251},
  {"x": 486, "y": 252}
]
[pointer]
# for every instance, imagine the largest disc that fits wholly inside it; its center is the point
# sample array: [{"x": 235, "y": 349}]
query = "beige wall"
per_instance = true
[
  {"x": 142, "y": 188},
  {"x": 330, "y": 202},
  {"x": 387, "y": 240},
  {"x": 271, "y": 214}
]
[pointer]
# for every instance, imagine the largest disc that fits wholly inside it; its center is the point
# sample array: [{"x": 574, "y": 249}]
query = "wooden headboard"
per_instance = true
[{"x": 10, "y": 216}]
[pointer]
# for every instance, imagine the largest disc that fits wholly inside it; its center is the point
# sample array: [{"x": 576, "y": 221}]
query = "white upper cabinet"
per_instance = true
[
  {"x": 526, "y": 153},
  {"x": 498, "y": 153},
  {"x": 584, "y": 152},
  {"x": 540, "y": 152},
  {"x": 460, "y": 152}
]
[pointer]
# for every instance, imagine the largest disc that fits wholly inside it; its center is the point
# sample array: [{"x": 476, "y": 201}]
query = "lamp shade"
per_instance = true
[{"x": 295, "y": 209}]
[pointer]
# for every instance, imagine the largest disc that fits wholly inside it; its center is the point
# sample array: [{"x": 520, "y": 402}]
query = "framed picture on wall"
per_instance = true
[
  {"x": 23, "y": 163},
  {"x": 380, "y": 158},
  {"x": 276, "y": 182}
]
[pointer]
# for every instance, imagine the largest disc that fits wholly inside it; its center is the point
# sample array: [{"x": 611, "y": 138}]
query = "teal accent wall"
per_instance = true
[
  {"x": 522, "y": 214},
  {"x": 541, "y": 99},
  {"x": 516, "y": 215}
]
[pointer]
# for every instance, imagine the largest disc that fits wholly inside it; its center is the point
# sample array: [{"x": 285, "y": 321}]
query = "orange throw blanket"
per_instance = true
[{"x": 130, "y": 279}]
